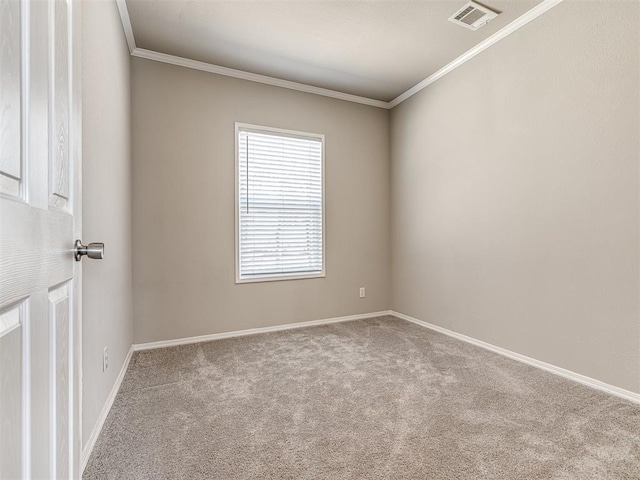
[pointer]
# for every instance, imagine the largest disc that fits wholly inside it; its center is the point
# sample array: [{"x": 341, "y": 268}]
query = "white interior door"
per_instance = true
[{"x": 40, "y": 324}]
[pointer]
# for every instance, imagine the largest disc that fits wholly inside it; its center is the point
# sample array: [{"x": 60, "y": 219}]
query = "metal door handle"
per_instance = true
[{"x": 93, "y": 250}]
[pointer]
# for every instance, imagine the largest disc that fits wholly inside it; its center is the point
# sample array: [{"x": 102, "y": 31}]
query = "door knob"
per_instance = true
[{"x": 93, "y": 250}]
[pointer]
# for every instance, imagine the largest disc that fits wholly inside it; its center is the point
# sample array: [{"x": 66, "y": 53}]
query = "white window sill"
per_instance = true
[{"x": 278, "y": 278}]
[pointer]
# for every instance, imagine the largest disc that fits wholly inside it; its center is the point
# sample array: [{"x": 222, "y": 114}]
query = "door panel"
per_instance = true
[
  {"x": 11, "y": 381},
  {"x": 39, "y": 386},
  {"x": 39, "y": 87},
  {"x": 10, "y": 118},
  {"x": 39, "y": 221},
  {"x": 60, "y": 308},
  {"x": 59, "y": 172}
]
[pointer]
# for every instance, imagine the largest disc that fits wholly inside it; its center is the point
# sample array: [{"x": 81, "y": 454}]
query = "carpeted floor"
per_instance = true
[{"x": 377, "y": 398}]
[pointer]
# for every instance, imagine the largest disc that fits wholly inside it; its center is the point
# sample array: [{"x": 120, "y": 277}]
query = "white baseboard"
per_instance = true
[
  {"x": 95, "y": 433},
  {"x": 576, "y": 377},
  {"x": 253, "y": 331}
]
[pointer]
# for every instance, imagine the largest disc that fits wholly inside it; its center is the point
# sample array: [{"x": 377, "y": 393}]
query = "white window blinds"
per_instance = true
[{"x": 280, "y": 204}]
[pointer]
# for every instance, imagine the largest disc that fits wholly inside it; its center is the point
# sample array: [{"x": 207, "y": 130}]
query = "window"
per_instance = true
[{"x": 279, "y": 204}]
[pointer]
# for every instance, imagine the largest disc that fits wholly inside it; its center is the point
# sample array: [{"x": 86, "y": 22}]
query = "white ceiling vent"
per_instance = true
[{"x": 473, "y": 16}]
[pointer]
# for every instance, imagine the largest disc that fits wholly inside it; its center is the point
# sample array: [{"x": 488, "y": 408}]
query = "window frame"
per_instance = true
[{"x": 277, "y": 276}]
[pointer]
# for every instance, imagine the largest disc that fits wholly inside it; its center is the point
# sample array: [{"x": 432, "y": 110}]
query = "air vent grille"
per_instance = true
[
  {"x": 465, "y": 12},
  {"x": 473, "y": 16}
]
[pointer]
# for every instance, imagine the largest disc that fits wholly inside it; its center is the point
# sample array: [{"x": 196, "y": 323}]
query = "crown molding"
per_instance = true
[
  {"x": 254, "y": 77},
  {"x": 518, "y": 23},
  {"x": 126, "y": 24}
]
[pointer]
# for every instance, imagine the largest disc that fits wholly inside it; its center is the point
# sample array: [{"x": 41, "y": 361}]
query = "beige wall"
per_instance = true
[
  {"x": 515, "y": 194},
  {"x": 183, "y": 204},
  {"x": 107, "y": 312}
]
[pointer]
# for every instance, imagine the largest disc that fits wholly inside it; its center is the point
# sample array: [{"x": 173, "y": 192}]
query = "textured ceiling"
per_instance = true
[{"x": 375, "y": 49}]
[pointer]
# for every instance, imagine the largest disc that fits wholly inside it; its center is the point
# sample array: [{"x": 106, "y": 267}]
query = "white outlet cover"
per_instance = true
[{"x": 363, "y": 292}]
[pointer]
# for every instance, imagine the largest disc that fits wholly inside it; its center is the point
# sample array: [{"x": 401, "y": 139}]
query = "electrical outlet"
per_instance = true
[
  {"x": 105, "y": 359},
  {"x": 363, "y": 292}
]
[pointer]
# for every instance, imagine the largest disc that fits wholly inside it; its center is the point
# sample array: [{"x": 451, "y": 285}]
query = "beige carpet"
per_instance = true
[{"x": 378, "y": 398}]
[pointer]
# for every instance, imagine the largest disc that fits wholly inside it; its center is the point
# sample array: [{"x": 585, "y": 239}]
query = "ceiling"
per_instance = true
[{"x": 373, "y": 49}]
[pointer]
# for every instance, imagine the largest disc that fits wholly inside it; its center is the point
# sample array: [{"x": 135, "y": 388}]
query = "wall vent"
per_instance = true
[{"x": 473, "y": 16}]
